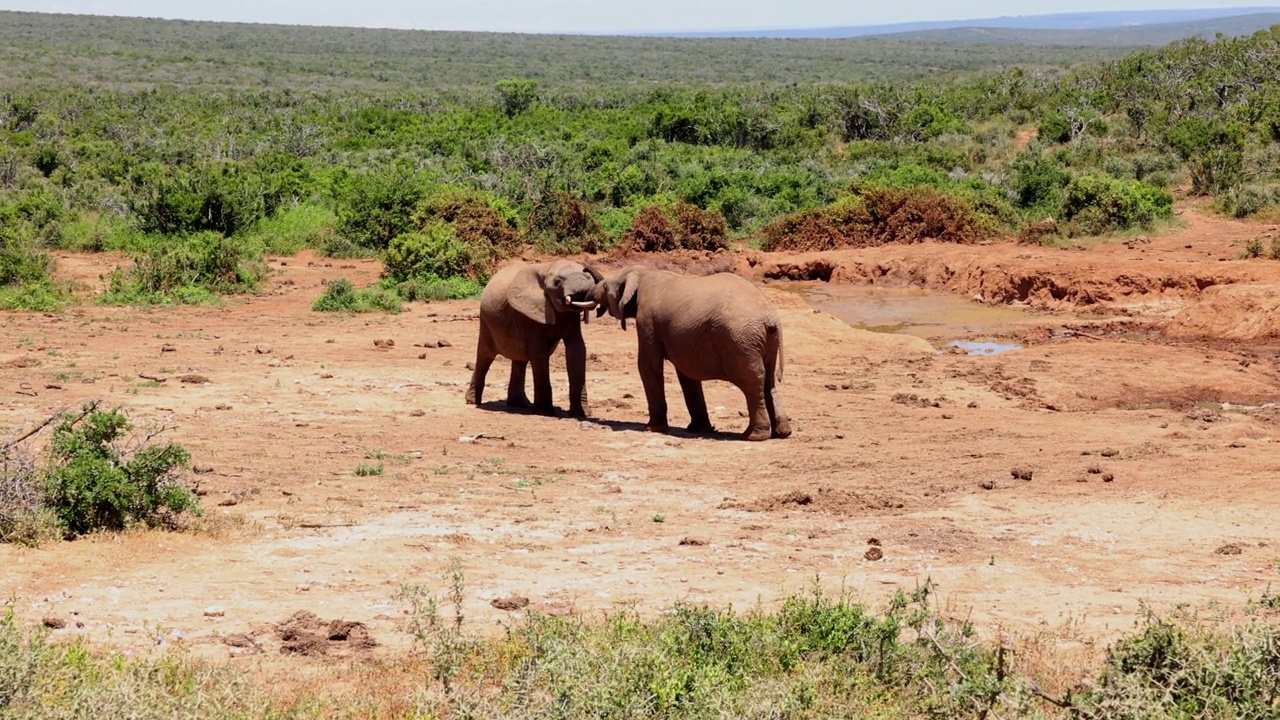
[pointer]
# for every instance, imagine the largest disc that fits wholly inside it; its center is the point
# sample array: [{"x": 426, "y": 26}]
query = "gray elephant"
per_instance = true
[
  {"x": 718, "y": 327},
  {"x": 525, "y": 312}
]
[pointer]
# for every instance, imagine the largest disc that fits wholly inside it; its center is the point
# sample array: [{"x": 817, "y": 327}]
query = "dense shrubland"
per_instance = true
[{"x": 446, "y": 185}]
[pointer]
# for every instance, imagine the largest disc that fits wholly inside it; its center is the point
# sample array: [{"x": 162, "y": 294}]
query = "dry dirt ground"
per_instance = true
[{"x": 1141, "y": 419}]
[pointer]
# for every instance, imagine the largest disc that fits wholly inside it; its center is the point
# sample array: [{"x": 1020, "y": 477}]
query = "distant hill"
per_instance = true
[
  {"x": 53, "y": 50},
  {"x": 1128, "y": 19},
  {"x": 1138, "y": 35}
]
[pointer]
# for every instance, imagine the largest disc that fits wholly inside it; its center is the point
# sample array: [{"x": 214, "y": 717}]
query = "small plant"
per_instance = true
[
  {"x": 659, "y": 517},
  {"x": 96, "y": 482},
  {"x": 341, "y": 296},
  {"x": 1252, "y": 249},
  {"x": 441, "y": 637},
  {"x": 368, "y": 469}
]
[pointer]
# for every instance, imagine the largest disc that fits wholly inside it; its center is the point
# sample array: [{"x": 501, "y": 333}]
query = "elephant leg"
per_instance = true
[
  {"x": 516, "y": 397},
  {"x": 778, "y": 420},
  {"x": 699, "y": 422},
  {"x": 751, "y": 382},
  {"x": 542, "y": 384},
  {"x": 575, "y": 360},
  {"x": 485, "y": 354},
  {"x": 650, "y": 366}
]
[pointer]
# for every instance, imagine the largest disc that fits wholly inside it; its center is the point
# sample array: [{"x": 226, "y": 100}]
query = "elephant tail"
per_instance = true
[{"x": 777, "y": 329}]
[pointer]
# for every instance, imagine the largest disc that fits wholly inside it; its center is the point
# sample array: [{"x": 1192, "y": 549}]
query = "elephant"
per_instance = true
[
  {"x": 717, "y": 327},
  {"x": 526, "y": 310}
]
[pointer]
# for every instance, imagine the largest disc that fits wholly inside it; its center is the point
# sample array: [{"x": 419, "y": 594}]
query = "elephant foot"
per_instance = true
[
  {"x": 701, "y": 428},
  {"x": 577, "y": 412},
  {"x": 518, "y": 402},
  {"x": 655, "y": 428},
  {"x": 757, "y": 435},
  {"x": 782, "y": 429},
  {"x": 547, "y": 410},
  {"x": 471, "y": 398}
]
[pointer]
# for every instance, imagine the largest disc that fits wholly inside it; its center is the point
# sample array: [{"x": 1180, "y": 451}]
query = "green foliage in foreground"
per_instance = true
[
  {"x": 94, "y": 484},
  {"x": 92, "y": 479},
  {"x": 814, "y": 656}
]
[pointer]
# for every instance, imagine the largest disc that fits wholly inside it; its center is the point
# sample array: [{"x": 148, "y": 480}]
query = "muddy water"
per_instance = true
[{"x": 941, "y": 318}]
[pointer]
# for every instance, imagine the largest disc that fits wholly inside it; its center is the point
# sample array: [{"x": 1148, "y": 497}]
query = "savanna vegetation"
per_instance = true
[
  {"x": 812, "y": 656},
  {"x": 446, "y": 179}
]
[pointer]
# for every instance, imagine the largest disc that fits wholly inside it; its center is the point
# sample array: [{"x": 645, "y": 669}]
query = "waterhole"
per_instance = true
[{"x": 944, "y": 319}]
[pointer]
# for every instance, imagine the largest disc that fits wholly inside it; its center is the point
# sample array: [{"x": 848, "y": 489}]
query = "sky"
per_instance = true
[{"x": 593, "y": 16}]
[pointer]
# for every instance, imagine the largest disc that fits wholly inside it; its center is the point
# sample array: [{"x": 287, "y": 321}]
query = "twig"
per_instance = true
[
  {"x": 325, "y": 525},
  {"x": 1065, "y": 704},
  {"x": 156, "y": 378},
  {"x": 49, "y": 421}
]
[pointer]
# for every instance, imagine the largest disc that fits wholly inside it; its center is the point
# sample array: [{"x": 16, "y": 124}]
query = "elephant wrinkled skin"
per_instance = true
[
  {"x": 718, "y": 327},
  {"x": 525, "y": 312}
]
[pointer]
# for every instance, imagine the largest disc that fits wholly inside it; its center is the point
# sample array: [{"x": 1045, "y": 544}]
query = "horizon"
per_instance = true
[{"x": 368, "y": 15}]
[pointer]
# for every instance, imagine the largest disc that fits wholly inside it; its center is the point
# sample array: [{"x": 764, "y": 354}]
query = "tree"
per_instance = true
[{"x": 517, "y": 95}]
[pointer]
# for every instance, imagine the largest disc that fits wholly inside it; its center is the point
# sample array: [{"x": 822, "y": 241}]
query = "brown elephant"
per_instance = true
[
  {"x": 718, "y": 327},
  {"x": 525, "y": 312}
]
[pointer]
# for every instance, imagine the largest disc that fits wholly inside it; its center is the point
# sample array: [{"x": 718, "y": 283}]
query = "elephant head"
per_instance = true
[
  {"x": 550, "y": 289},
  {"x": 617, "y": 294}
]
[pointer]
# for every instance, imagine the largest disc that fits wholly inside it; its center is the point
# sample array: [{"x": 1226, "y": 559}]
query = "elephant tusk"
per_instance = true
[{"x": 584, "y": 304}]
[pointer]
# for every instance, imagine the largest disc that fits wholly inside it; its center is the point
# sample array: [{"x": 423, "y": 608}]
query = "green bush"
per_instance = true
[
  {"x": 39, "y": 295},
  {"x": 189, "y": 270},
  {"x": 1243, "y": 201},
  {"x": 516, "y": 95},
  {"x": 292, "y": 229},
  {"x": 437, "y": 251},
  {"x": 22, "y": 262},
  {"x": 1212, "y": 149},
  {"x": 1037, "y": 181},
  {"x": 341, "y": 296},
  {"x": 221, "y": 197},
  {"x": 1096, "y": 204},
  {"x": 92, "y": 483},
  {"x": 435, "y": 288},
  {"x": 377, "y": 206}
]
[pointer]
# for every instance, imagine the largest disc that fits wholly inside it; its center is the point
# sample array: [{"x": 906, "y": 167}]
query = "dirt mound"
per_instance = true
[
  {"x": 304, "y": 633},
  {"x": 825, "y": 499},
  {"x": 1234, "y": 312}
]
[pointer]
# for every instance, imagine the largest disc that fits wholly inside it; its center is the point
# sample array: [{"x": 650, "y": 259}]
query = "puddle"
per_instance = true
[
  {"x": 983, "y": 348},
  {"x": 944, "y": 319}
]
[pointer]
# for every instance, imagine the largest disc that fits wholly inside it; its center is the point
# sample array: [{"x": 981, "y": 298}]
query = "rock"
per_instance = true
[
  {"x": 55, "y": 623},
  {"x": 417, "y": 413},
  {"x": 696, "y": 542},
  {"x": 193, "y": 379},
  {"x": 214, "y": 611},
  {"x": 168, "y": 348},
  {"x": 384, "y": 344},
  {"x": 873, "y": 554},
  {"x": 239, "y": 640},
  {"x": 511, "y": 602},
  {"x": 1021, "y": 473},
  {"x": 201, "y": 469}
]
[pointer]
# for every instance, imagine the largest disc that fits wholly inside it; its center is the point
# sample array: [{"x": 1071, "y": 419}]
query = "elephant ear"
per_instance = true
[{"x": 529, "y": 299}]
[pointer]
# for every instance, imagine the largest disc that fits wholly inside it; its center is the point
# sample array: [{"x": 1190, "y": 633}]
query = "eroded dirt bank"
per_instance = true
[{"x": 1142, "y": 487}]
